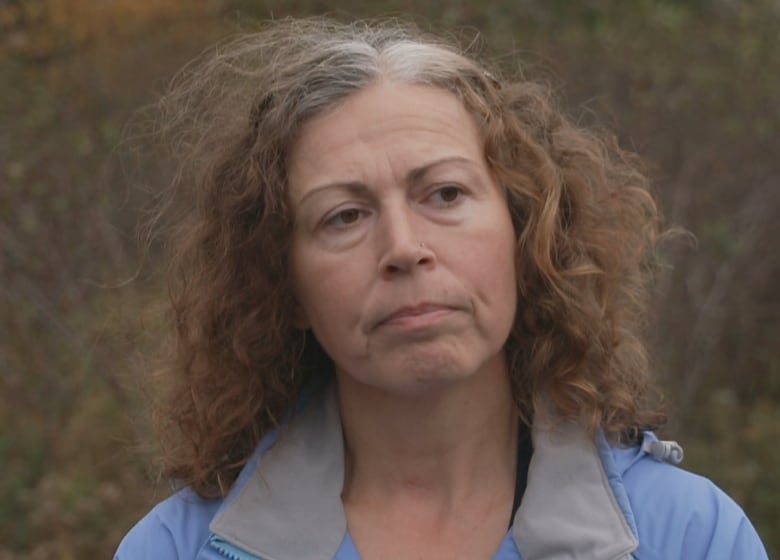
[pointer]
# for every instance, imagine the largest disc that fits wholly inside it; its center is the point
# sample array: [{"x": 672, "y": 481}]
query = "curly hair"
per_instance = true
[{"x": 584, "y": 218}]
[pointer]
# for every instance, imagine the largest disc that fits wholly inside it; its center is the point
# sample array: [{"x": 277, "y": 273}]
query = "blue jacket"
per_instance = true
[{"x": 584, "y": 500}]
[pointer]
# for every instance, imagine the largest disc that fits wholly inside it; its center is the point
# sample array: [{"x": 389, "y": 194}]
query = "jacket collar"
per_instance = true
[
  {"x": 288, "y": 506},
  {"x": 569, "y": 509}
]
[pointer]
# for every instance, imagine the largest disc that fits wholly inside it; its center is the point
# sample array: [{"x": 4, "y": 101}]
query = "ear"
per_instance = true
[{"x": 299, "y": 318}]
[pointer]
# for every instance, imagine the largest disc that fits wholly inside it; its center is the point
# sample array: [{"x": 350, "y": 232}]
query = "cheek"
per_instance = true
[
  {"x": 499, "y": 285},
  {"x": 325, "y": 291}
]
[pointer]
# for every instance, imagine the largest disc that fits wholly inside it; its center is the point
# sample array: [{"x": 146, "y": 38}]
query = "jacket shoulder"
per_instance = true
[
  {"x": 683, "y": 515},
  {"x": 176, "y": 528}
]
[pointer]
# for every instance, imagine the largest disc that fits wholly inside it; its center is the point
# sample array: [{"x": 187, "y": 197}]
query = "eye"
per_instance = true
[
  {"x": 348, "y": 216},
  {"x": 447, "y": 195},
  {"x": 344, "y": 217}
]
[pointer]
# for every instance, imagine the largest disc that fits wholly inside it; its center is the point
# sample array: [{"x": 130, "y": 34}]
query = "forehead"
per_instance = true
[{"x": 405, "y": 123}]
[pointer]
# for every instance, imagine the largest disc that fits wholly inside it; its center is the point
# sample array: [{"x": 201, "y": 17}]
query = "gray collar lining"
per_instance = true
[
  {"x": 568, "y": 510},
  {"x": 290, "y": 507}
]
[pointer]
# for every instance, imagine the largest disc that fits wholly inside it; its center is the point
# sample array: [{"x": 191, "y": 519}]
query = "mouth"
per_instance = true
[{"x": 416, "y": 316}]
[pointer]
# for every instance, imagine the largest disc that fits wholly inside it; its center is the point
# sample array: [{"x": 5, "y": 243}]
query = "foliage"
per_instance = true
[{"x": 691, "y": 84}]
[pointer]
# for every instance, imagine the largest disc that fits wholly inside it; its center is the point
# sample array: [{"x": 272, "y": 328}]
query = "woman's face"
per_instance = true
[{"x": 403, "y": 248}]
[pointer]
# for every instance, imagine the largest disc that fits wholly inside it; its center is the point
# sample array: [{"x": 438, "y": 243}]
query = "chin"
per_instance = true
[
  {"x": 422, "y": 374},
  {"x": 422, "y": 371}
]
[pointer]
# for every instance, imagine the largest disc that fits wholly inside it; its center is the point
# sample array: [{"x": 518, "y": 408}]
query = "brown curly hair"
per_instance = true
[{"x": 585, "y": 221}]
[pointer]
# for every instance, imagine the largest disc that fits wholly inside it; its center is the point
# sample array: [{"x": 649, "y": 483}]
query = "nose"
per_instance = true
[{"x": 401, "y": 244}]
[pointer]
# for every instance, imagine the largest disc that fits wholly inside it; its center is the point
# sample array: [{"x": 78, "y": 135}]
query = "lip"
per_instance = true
[{"x": 415, "y": 316}]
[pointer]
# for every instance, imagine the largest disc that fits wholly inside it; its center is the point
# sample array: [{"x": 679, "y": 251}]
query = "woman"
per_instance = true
[{"x": 407, "y": 299}]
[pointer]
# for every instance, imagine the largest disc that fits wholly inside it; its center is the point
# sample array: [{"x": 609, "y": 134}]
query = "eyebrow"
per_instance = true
[{"x": 412, "y": 176}]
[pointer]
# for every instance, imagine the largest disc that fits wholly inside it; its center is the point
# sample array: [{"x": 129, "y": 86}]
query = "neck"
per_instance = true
[{"x": 442, "y": 447}]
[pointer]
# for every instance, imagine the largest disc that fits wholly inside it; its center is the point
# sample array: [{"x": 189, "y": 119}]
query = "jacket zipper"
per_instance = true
[{"x": 230, "y": 551}]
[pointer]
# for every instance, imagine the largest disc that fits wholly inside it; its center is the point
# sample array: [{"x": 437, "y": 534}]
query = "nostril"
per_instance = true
[{"x": 424, "y": 259}]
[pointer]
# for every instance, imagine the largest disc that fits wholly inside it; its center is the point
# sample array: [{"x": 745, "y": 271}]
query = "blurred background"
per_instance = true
[{"x": 692, "y": 85}]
